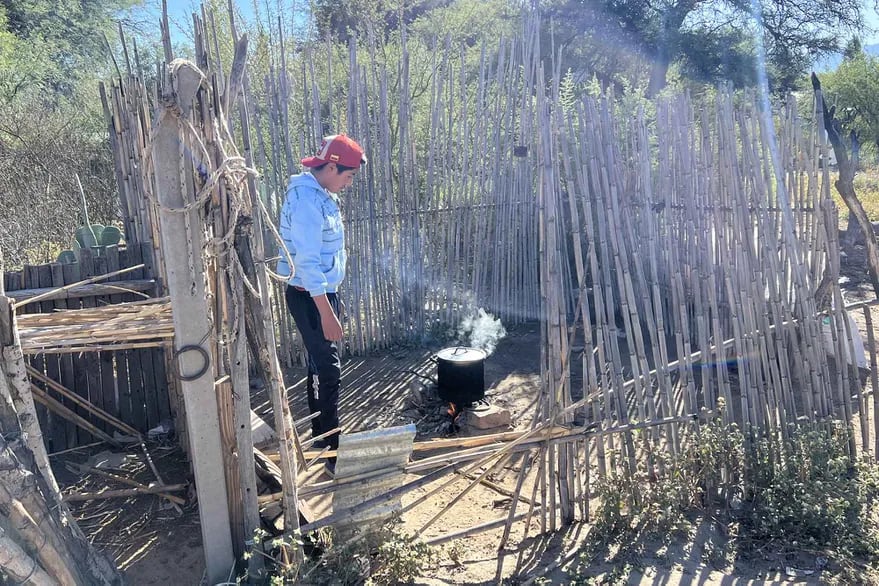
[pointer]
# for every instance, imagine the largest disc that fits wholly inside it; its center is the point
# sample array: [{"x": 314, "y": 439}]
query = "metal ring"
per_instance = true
[{"x": 204, "y": 368}]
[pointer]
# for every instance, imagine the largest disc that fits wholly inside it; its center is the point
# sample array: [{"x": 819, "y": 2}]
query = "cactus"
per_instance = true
[
  {"x": 96, "y": 237},
  {"x": 110, "y": 236},
  {"x": 67, "y": 257},
  {"x": 89, "y": 236}
]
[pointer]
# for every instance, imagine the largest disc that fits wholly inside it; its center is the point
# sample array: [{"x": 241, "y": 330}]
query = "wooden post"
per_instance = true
[{"x": 182, "y": 243}]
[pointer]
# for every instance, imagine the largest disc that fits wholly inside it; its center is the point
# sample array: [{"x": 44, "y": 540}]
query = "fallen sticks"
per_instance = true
[{"x": 124, "y": 492}]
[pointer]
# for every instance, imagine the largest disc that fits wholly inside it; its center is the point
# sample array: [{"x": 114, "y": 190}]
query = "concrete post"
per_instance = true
[{"x": 182, "y": 248}]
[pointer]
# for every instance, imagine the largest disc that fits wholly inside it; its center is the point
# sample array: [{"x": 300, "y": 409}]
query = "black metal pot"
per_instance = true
[{"x": 461, "y": 375}]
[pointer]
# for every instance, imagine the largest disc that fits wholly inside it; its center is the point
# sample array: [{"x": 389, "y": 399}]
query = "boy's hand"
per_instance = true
[
  {"x": 331, "y": 327},
  {"x": 329, "y": 322}
]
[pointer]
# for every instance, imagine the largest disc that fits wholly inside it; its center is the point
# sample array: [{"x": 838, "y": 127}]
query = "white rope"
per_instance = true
[{"x": 281, "y": 243}]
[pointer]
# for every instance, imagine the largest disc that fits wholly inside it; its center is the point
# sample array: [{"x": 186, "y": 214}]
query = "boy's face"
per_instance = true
[{"x": 335, "y": 182}]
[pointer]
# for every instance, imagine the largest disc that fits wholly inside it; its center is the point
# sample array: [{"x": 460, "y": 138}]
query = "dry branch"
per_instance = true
[{"x": 123, "y": 493}]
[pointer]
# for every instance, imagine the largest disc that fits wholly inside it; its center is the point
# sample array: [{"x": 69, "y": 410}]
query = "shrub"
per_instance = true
[
  {"x": 807, "y": 491},
  {"x": 803, "y": 492},
  {"x": 378, "y": 556}
]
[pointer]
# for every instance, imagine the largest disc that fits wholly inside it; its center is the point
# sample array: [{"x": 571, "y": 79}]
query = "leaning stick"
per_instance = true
[
  {"x": 72, "y": 285},
  {"x": 309, "y": 443},
  {"x": 149, "y": 461},
  {"x": 91, "y": 408},
  {"x": 124, "y": 492},
  {"x": 487, "y": 526},
  {"x": 56, "y": 407},
  {"x": 498, "y": 489},
  {"x": 81, "y": 469}
]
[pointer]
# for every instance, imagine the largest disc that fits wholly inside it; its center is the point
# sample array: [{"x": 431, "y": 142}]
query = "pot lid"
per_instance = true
[{"x": 461, "y": 354}]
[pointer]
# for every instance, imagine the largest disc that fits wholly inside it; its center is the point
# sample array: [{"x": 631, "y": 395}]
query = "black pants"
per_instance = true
[{"x": 323, "y": 361}]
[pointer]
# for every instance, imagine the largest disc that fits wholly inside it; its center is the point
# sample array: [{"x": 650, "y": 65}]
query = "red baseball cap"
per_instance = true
[{"x": 338, "y": 148}]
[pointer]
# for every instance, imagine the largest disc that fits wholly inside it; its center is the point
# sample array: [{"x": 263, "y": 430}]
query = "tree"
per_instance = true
[
  {"x": 54, "y": 43},
  {"x": 853, "y": 88},
  {"x": 845, "y": 185},
  {"x": 710, "y": 39},
  {"x": 52, "y": 129},
  {"x": 339, "y": 19},
  {"x": 852, "y": 91}
]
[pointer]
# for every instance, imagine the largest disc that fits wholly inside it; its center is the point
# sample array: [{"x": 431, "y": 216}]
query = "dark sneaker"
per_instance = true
[{"x": 330, "y": 468}]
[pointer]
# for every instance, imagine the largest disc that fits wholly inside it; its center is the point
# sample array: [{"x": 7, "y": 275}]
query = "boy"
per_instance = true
[{"x": 311, "y": 226}]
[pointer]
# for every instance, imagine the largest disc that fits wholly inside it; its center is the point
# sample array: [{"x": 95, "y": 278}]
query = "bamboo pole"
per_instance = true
[
  {"x": 56, "y": 407},
  {"x": 123, "y": 492},
  {"x": 175, "y": 500}
]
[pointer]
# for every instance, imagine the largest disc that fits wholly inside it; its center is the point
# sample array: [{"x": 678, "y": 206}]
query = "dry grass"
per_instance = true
[{"x": 867, "y": 188}]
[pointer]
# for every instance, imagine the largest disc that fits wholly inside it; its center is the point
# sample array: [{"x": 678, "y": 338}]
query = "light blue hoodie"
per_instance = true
[{"x": 311, "y": 226}]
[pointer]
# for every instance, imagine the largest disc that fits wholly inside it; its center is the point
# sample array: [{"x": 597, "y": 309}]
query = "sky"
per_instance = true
[
  {"x": 871, "y": 17},
  {"x": 179, "y": 14}
]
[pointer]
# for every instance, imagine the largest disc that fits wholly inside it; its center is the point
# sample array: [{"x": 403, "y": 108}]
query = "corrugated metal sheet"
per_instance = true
[{"x": 385, "y": 449}]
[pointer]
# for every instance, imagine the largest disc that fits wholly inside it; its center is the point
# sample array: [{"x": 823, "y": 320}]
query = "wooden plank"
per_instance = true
[
  {"x": 90, "y": 290},
  {"x": 90, "y": 382},
  {"x": 169, "y": 398},
  {"x": 108, "y": 359},
  {"x": 13, "y": 281},
  {"x": 57, "y": 431},
  {"x": 123, "y": 384},
  {"x": 56, "y": 407},
  {"x": 31, "y": 278},
  {"x": 150, "y": 388},
  {"x": 77, "y": 380},
  {"x": 162, "y": 387},
  {"x": 138, "y": 418},
  {"x": 114, "y": 423},
  {"x": 137, "y": 403},
  {"x": 145, "y": 256},
  {"x": 65, "y": 370}
]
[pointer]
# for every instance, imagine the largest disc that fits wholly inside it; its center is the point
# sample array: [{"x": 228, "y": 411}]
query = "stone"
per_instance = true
[
  {"x": 488, "y": 417},
  {"x": 416, "y": 387}
]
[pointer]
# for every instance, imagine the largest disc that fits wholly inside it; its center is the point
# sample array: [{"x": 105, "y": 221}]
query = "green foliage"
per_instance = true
[
  {"x": 52, "y": 45},
  {"x": 808, "y": 492},
  {"x": 469, "y": 22},
  {"x": 854, "y": 90},
  {"x": 710, "y": 40},
  {"x": 377, "y": 556},
  {"x": 52, "y": 128},
  {"x": 97, "y": 235},
  {"x": 42, "y": 150},
  {"x": 655, "y": 497},
  {"x": 803, "y": 493},
  {"x": 379, "y": 17}
]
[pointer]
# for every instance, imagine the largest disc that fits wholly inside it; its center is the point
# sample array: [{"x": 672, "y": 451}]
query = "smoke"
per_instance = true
[{"x": 481, "y": 330}]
